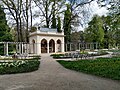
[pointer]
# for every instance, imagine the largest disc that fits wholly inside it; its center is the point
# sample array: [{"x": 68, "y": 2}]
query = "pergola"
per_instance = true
[
  {"x": 20, "y": 47},
  {"x": 81, "y": 46}
]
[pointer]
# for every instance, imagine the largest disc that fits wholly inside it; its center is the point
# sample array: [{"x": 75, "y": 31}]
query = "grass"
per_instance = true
[{"x": 104, "y": 67}]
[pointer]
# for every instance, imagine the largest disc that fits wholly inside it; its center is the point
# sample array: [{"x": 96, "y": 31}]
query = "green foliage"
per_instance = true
[
  {"x": 95, "y": 32},
  {"x": 104, "y": 67},
  {"x": 77, "y": 36},
  {"x": 116, "y": 27},
  {"x": 53, "y": 20},
  {"x": 5, "y": 34},
  {"x": 112, "y": 23},
  {"x": 33, "y": 29},
  {"x": 102, "y": 52},
  {"x": 57, "y": 55},
  {"x": 67, "y": 24},
  {"x": 19, "y": 66},
  {"x": 115, "y": 7},
  {"x": 109, "y": 36},
  {"x": 59, "y": 25}
]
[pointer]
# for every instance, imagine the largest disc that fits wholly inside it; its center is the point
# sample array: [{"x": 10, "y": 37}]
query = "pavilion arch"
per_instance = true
[
  {"x": 43, "y": 46},
  {"x": 51, "y": 46},
  {"x": 33, "y": 46},
  {"x": 59, "y": 48}
]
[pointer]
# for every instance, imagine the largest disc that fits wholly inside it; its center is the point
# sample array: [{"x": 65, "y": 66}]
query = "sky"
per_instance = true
[
  {"x": 98, "y": 10},
  {"x": 95, "y": 10}
]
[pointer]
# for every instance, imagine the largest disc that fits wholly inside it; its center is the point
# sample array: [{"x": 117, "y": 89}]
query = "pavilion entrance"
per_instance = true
[
  {"x": 44, "y": 46},
  {"x": 59, "y": 46},
  {"x": 51, "y": 46}
]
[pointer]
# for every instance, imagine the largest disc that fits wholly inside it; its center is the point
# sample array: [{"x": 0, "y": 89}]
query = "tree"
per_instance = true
[
  {"x": 59, "y": 25},
  {"x": 15, "y": 11},
  {"x": 18, "y": 12},
  {"x": 109, "y": 33},
  {"x": 33, "y": 29},
  {"x": 5, "y": 35},
  {"x": 112, "y": 21},
  {"x": 95, "y": 32},
  {"x": 79, "y": 12},
  {"x": 67, "y": 24},
  {"x": 49, "y": 10},
  {"x": 80, "y": 9},
  {"x": 114, "y": 12},
  {"x": 53, "y": 20},
  {"x": 77, "y": 37},
  {"x": 4, "y": 28}
]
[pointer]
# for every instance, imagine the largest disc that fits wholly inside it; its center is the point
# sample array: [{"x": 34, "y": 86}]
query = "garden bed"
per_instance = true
[
  {"x": 19, "y": 66},
  {"x": 78, "y": 55},
  {"x": 104, "y": 67}
]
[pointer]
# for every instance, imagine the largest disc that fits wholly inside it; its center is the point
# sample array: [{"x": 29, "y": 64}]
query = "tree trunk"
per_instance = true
[
  {"x": 31, "y": 13},
  {"x": 27, "y": 17},
  {"x": 47, "y": 19}
]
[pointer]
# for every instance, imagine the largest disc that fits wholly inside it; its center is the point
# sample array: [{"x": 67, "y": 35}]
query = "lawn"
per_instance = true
[{"x": 104, "y": 67}]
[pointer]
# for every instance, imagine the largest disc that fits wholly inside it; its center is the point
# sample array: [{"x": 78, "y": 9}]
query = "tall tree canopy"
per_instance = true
[
  {"x": 59, "y": 25},
  {"x": 49, "y": 10},
  {"x": 95, "y": 32},
  {"x": 67, "y": 24},
  {"x": 112, "y": 21},
  {"x": 19, "y": 16},
  {"x": 5, "y": 35},
  {"x": 4, "y": 28}
]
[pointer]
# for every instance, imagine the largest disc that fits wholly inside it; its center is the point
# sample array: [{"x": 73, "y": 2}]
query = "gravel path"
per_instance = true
[{"x": 52, "y": 76}]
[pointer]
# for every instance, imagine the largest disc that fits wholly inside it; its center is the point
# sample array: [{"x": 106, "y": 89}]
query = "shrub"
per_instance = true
[
  {"x": 102, "y": 52},
  {"x": 57, "y": 55},
  {"x": 19, "y": 66}
]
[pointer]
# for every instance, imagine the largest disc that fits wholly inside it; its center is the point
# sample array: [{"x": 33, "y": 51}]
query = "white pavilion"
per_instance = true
[{"x": 46, "y": 40}]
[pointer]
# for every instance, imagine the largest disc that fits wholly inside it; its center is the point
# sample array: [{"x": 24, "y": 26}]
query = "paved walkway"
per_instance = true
[{"x": 52, "y": 76}]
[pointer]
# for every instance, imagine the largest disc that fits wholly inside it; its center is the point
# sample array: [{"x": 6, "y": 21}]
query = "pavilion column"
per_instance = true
[
  {"x": 38, "y": 48},
  {"x": 35, "y": 48},
  {"x": 62, "y": 47},
  {"x": 47, "y": 47},
  {"x": 56, "y": 48}
]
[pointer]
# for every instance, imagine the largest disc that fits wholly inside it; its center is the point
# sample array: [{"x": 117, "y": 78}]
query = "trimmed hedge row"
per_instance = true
[
  {"x": 57, "y": 55},
  {"x": 19, "y": 66}
]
